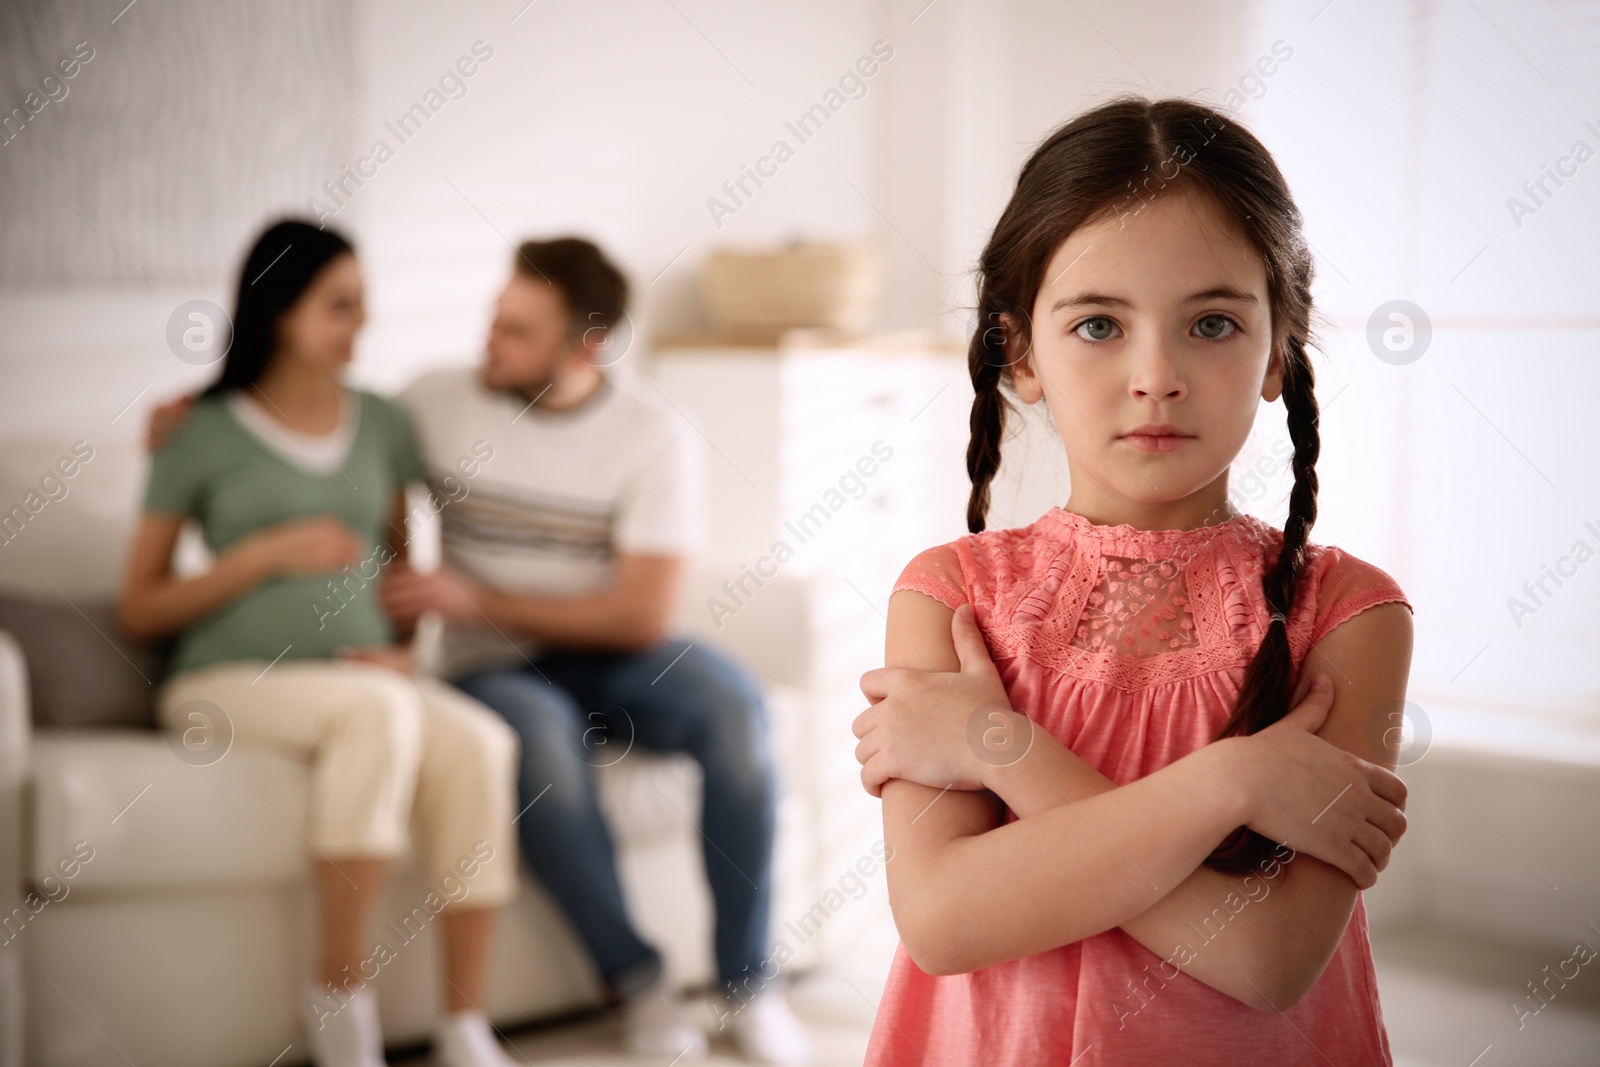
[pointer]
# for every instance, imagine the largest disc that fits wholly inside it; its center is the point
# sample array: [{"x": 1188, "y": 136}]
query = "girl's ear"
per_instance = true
[
  {"x": 1019, "y": 357},
  {"x": 1272, "y": 384}
]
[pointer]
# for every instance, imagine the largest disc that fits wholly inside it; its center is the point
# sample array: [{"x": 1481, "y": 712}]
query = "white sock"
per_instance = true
[
  {"x": 766, "y": 1030},
  {"x": 342, "y": 1027},
  {"x": 465, "y": 1039}
]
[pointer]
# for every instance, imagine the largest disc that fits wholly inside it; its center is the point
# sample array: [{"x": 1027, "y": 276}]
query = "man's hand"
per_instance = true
[
  {"x": 395, "y": 657},
  {"x": 939, "y": 729},
  {"x": 406, "y": 594},
  {"x": 165, "y": 420}
]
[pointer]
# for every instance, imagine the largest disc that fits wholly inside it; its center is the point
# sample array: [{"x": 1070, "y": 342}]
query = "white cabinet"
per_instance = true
[
  {"x": 787, "y": 424},
  {"x": 836, "y": 462}
]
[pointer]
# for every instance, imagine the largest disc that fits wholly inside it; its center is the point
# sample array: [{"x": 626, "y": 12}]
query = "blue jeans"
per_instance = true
[{"x": 579, "y": 710}]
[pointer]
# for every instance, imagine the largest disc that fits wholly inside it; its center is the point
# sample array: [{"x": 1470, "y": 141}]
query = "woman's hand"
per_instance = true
[
  {"x": 155, "y": 603},
  {"x": 305, "y": 546},
  {"x": 1318, "y": 798},
  {"x": 939, "y": 729},
  {"x": 395, "y": 657}
]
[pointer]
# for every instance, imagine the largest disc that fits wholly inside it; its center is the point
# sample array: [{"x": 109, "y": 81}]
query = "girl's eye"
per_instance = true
[
  {"x": 1216, "y": 323},
  {"x": 1210, "y": 327},
  {"x": 1100, "y": 328}
]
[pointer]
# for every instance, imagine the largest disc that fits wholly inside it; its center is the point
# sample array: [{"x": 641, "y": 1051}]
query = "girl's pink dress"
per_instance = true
[{"x": 1130, "y": 646}]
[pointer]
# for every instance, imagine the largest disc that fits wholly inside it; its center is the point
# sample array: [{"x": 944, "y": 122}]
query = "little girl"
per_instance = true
[{"x": 1160, "y": 860}]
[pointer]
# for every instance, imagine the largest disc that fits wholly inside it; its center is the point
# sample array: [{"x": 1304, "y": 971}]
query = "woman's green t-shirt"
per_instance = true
[{"x": 220, "y": 474}]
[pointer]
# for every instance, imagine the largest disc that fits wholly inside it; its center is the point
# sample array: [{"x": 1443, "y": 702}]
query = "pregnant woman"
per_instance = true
[{"x": 297, "y": 485}]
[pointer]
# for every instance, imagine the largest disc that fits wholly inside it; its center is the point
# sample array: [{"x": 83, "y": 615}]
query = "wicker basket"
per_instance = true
[{"x": 750, "y": 293}]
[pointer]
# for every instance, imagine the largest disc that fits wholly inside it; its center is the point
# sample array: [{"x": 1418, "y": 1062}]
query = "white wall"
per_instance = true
[{"x": 616, "y": 121}]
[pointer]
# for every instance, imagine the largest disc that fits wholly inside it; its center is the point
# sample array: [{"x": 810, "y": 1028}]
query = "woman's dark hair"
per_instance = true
[
  {"x": 1107, "y": 163},
  {"x": 277, "y": 272}
]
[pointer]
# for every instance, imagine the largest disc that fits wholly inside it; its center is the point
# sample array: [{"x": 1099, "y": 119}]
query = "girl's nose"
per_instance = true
[{"x": 1156, "y": 375}]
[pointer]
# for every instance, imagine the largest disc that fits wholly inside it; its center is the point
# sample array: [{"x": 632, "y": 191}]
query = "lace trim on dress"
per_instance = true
[
  {"x": 1137, "y": 608},
  {"x": 931, "y": 585}
]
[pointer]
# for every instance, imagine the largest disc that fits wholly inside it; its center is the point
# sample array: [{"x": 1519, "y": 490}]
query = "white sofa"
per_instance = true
[{"x": 185, "y": 937}]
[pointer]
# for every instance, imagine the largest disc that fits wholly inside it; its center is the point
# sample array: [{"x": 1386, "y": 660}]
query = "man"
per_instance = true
[{"x": 561, "y": 569}]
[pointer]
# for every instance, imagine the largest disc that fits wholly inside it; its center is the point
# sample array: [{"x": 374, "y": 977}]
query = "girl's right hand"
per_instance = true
[
  {"x": 306, "y": 546},
  {"x": 1318, "y": 798}
]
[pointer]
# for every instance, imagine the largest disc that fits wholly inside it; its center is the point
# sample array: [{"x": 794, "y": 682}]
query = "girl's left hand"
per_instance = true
[{"x": 928, "y": 726}]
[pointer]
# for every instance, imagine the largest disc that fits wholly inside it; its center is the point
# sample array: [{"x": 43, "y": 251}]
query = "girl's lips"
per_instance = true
[{"x": 1156, "y": 442}]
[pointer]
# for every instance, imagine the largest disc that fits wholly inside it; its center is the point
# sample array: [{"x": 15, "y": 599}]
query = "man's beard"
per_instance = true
[{"x": 528, "y": 391}]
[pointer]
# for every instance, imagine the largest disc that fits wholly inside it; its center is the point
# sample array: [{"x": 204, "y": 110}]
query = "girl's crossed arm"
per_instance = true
[
  {"x": 1285, "y": 922},
  {"x": 1086, "y": 856}
]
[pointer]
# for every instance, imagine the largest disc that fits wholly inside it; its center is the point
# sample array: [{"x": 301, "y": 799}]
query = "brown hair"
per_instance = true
[
  {"x": 1110, "y": 161},
  {"x": 595, "y": 290}
]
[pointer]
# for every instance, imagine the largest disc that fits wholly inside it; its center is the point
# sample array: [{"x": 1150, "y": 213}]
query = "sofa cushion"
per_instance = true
[
  {"x": 81, "y": 670},
  {"x": 155, "y": 821}
]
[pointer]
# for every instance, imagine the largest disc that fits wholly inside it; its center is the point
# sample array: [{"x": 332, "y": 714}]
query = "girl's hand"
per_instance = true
[
  {"x": 919, "y": 725},
  {"x": 1316, "y": 797}
]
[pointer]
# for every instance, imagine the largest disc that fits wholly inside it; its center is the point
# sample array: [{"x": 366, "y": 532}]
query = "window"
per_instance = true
[{"x": 1452, "y": 160}]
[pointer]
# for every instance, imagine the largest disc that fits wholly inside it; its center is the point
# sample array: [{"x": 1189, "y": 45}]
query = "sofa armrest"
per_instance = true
[{"x": 15, "y": 747}]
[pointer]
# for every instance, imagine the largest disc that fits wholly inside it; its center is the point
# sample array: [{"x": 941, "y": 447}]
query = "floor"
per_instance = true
[
  {"x": 1445, "y": 1001},
  {"x": 835, "y": 1007}
]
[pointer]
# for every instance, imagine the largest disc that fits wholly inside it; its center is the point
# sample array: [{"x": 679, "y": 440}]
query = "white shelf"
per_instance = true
[{"x": 786, "y": 423}]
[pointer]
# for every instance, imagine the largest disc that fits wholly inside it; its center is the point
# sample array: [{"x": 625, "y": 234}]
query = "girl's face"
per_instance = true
[
  {"x": 319, "y": 329},
  {"x": 1152, "y": 347}
]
